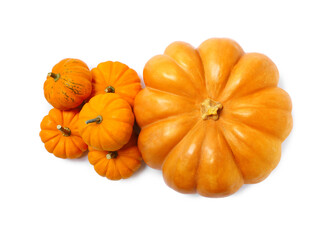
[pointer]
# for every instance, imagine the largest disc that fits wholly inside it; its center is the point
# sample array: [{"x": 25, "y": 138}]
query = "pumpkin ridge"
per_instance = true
[
  {"x": 125, "y": 69},
  {"x": 246, "y": 95},
  {"x": 110, "y": 133},
  {"x": 181, "y": 140},
  {"x": 186, "y": 97},
  {"x": 115, "y": 171},
  {"x": 122, "y": 164},
  {"x": 116, "y": 97},
  {"x": 112, "y": 110},
  {"x": 254, "y": 128},
  {"x": 95, "y": 156},
  {"x": 257, "y": 92},
  {"x": 233, "y": 155},
  {"x": 75, "y": 143},
  {"x": 228, "y": 77},
  {"x": 132, "y": 77},
  {"x": 69, "y": 122},
  {"x": 187, "y": 73},
  {"x": 126, "y": 152},
  {"x": 129, "y": 84},
  {"x": 123, "y": 160},
  {"x": 107, "y": 165},
  {"x": 69, "y": 141},
  {"x": 55, "y": 115},
  {"x": 128, "y": 80},
  {"x": 259, "y": 108},
  {"x": 55, "y": 145},
  {"x": 60, "y": 144},
  {"x": 100, "y": 78},
  {"x": 199, "y": 161},
  {"x": 231, "y": 68},
  {"x": 263, "y": 160},
  {"x": 170, "y": 117},
  {"x": 124, "y": 94},
  {"x": 50, "y": 138},
  {"x": 119, "y": 120}
]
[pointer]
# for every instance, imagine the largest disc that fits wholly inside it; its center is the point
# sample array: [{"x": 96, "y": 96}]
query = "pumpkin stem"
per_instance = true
[
  {"x": 109, "y": 89},
  {"x": 112, "y": 155},
  {"x": 56, "y": 76},
  {"x": 210, "y": 109},
  {"x": 97, "y": 120},
  {"x": 64, "y": 130}
]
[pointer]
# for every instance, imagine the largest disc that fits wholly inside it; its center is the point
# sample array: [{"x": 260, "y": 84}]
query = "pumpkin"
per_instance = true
[
  {"x": 115, "y": 77},
  {"x": 212, "y": 118},
  {"x": 68, "y": 85},
  {"x": 60, "y": 134},
  {"x": 115, "y": 165},
  {"x": 106, "y": 122}
]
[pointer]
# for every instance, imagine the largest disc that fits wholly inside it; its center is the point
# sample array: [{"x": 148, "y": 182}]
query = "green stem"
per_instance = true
[
  {"x": 56, "y": 76},
  {"x": 65, "y": 131},
  {"x": 109, "y": 89},
  {"x": 97, "y": 120},
  {"x": 112, "y": 154}
]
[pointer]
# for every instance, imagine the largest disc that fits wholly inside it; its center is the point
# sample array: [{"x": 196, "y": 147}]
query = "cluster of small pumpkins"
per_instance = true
[
  {"x": 211, "y": 118},
  {"x": 93, "y": 111}
]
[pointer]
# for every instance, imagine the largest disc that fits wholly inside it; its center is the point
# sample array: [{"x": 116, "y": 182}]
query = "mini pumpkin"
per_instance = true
[
  {"x": 115, "y": 165},
  {"x": 68, "y": 85},
  {"x": 59, "y": 132},
  {"x": 106, "y": 122},
  {"x": 115, "y": 77},
  {"x": 212, "y": 118}
]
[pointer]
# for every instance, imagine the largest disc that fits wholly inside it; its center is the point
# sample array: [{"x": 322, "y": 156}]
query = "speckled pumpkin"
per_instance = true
[{"x": 68, "y": 85}]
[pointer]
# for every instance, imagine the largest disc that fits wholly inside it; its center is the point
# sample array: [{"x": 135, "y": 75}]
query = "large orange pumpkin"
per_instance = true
[
  {"x": 115, "y": 77},
  {"x": 212, "y": 118},
  {"x": 60, "y": 134},
  {"x": 106, "y": 122},
  {"x": 116, "y": 165},
  {"x": 68, "y": 85}
]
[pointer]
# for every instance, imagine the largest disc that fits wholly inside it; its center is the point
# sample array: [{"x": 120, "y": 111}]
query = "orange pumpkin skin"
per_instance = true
[
  {"x": 116, "y": 165},
  {"x": 212, "y": 118},
  {"x": 115, "y": 77},
  {"x": 68, "y": 85},
  {"x": 59, "y": 132},
  {"x": 106, "y": 122}
]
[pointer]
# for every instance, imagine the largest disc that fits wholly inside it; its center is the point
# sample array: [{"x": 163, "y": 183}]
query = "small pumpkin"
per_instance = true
[
  {"x": 106, "y": 122},
  {"x": 115, "y": 165},
  {"x": 60, "y": 134},
  {"x": 212, "y": 118},
  {"x": 115, "y": 77},
  {"x": 68, "y": 85}
]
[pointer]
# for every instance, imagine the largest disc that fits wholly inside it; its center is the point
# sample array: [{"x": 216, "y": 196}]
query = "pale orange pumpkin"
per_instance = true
[
  {"x": 60, "y": 134},
  {"x": 115, "y": 77},
  {"x": 212, "y": 118},
  {"x": 116, "y": 165}
]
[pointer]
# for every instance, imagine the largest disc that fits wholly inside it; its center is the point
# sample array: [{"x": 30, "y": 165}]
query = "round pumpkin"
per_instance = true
[
  {"x": 106, "y": 122},
  {"x": 212, "y": 118},
  {"x": 60, "y": 134},
  {"x": 68, "y": 85},
  {"x": 115, "y": 77},
  {"x": 116, "y": 165}
]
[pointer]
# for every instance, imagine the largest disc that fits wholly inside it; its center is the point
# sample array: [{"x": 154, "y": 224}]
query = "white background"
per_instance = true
[{"x": 43, "y": 197}]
